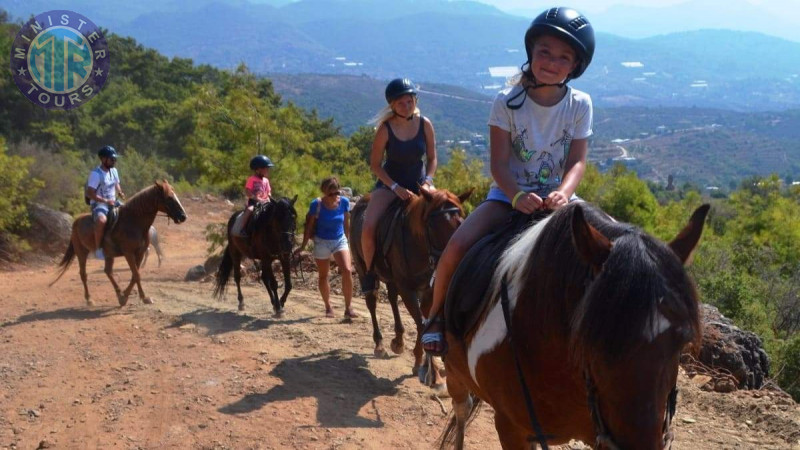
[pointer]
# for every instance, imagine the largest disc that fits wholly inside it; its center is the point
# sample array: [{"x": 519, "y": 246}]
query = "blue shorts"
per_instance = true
[
  {"x": 98, "y": 209},
  {"x": 324, "y": 248},
  {"x": 497, "y": 195}
]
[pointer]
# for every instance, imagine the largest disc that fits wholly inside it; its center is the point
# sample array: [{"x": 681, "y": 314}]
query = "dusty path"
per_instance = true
[{"x": 191, "y": 372}]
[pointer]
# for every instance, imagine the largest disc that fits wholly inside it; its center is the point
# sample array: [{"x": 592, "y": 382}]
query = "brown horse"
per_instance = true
[
  {"x": 273, "y": 226},
  {"x": 128, "y": 237},
  {"x": 428, "y": 221},
  {"x": 598, "y": 313}
]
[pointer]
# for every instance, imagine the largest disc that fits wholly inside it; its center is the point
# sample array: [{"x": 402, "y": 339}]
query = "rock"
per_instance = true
[
  {"x": 196, "y": 273},
  {"x": 44, "y": 444},
  {"x": 688, "y": 420},
  {"x": 49, "y": 229},
  {"x": 212, "y": 263},
  {"x": 729, "y": 349}
]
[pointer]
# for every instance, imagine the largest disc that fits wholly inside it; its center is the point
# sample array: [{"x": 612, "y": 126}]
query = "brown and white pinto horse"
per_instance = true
[
  {"x": 600, "y": 312},
  {"x": 130, "y": 237},
  {"x": 428, "y": 222}
]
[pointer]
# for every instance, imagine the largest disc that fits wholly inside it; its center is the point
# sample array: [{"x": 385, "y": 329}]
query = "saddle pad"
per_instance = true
[{"x": 467, "y": 293}]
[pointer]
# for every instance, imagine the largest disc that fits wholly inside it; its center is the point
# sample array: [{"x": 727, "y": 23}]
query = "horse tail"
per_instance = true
[
  {"x": 450, "y": 435},
  {"x": 223, "y": 273},
  {"x": 69, "y": 255}
]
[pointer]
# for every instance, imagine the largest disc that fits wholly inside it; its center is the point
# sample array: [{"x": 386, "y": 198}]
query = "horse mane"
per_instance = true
[
  {"x": 264, "y": 212},
  {"x": 641, "y": 280},
  {"x": 419, "y": 208},
  {"x": 142, "y": 202}
]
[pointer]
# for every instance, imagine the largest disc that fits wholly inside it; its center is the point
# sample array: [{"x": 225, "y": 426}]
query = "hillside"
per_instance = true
[{"x": 192, "y": 372}]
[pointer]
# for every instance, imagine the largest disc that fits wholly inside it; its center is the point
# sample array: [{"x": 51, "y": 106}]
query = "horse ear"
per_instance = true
[
  {"x": 592, "y": 246},
  {"x": 159, "y": 185},
  {"x": 464, "y": 196},
  {"x": 293, "y": 200},
  {"x": 685, "y": 243}
]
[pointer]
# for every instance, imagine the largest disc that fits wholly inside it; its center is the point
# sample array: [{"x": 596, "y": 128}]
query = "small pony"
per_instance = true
[{"x": 273, "y": 224}]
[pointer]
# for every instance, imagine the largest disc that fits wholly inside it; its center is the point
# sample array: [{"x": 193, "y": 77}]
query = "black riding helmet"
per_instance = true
[
  {"x": 260, "y": 162},
  {"x": 107, "y": 152},
  {"x": 569, "y": 25},
  {"x": 399, "y": 87}
]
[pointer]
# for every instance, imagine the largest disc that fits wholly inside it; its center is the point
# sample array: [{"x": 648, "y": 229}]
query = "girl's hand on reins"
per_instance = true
[
  {"x": 555, "y": 200},
  {"x": 402, "y": 192},
  {"x": 528, "y": 203}
]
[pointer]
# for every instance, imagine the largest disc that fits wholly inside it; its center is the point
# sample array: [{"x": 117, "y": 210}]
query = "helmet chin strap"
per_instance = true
[
  {"x": 411, "y": 116},
  {"x": 536, "y": 85}
]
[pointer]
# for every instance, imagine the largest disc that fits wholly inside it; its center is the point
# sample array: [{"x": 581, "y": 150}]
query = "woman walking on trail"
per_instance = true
[
  {"x": 403, "y": 137},
  {"x": 328, "y": 221}
]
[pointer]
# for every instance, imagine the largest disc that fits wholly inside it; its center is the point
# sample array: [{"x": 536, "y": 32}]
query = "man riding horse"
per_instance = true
[{"x": 101, "y": 192}]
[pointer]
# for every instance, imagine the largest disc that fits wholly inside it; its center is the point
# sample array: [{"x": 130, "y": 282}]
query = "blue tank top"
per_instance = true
[{"x": 404, "y": 158}]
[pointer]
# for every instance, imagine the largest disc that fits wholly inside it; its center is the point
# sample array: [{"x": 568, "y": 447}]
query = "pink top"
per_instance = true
[{"x": 260, "y": 187}]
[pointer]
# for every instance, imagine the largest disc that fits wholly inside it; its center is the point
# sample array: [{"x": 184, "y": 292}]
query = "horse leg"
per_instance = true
[
  {"x": 268, "y": 278},
  {"x": 145, "y": 300},
  {"x": 236, "y": 259},
  {"x": 109, "y": 270},
  {"x": 462, "y": 409},
  {"x": 287, "y": 278},
  {"x": 372, "y": 303},
  {"x": 398, "y": 344},
  {"x": 133, "y": 264},
  {"x": 81, "y": 253},
  {"x": 432, "y": 369},
  {"x": 511, "y": 436}
]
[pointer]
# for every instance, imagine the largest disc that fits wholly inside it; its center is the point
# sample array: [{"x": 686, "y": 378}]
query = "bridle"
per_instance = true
[
  {"x": 604, "y": 437},
  {"x": 435, "y": 253}
]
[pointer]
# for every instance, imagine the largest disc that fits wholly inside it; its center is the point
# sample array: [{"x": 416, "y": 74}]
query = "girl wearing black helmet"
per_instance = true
[
  {"x": 539, "y": 129},
  {"x": 402, "y": 138},
  {"x": 257, "y": 189}
]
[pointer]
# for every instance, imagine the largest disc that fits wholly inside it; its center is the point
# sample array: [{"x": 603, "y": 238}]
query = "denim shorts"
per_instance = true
[
  {"x": 496, "y": 194},
  {"x": 98, "y": 209},
  {"x": 324, "y": 248}
]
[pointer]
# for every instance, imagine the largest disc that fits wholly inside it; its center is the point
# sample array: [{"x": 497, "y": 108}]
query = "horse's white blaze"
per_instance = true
[
  {"x": 658, "y": 325},
  {"x": 512, "y": 266}
]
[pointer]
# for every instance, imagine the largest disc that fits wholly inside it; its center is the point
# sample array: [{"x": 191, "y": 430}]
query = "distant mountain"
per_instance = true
[
  {"x": 457, "y": 42},
  {"x": 700, "y": 145}
]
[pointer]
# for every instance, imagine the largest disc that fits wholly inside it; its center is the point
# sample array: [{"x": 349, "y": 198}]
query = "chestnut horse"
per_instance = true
[
  {"x": 273, "y": 226},
  {"x": 129, "y": 237},
  {"x": 427, "y": 222},
  {"x": 598, "y": 313}
]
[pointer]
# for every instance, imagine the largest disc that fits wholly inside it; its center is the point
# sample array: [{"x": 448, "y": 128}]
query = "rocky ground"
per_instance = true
[{"x": 191, "y": 372}]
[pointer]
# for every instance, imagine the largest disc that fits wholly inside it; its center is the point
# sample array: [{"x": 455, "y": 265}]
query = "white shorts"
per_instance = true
[{"x": 324, "y": 248}]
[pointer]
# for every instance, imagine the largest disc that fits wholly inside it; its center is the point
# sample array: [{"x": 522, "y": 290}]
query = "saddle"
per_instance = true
[
  {"x": 260, "y": 209},
  {"x": 389, "y": 229},
  {"x": 466, "y": 295}
]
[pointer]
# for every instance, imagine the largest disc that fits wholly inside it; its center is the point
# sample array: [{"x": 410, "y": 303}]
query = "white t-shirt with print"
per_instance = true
[
  {"x": 104, "y": 182},
  {"x": 541, "y": 136}
]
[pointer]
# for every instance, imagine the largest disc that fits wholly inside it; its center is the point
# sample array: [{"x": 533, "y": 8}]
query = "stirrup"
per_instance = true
[{"x": 429, "y": 337}]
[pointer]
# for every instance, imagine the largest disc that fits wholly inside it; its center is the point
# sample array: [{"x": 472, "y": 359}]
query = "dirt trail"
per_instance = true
[{"x": 191, "y": 372}]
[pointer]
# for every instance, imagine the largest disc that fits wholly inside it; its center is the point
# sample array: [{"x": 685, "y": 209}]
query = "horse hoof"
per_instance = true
[
  {"x": 123, "y": 301},
  {"x": 415, "y": 371},
  {"x": 440, "y": 390},
  {"x": 381, "y": 353},
  {"x": 279, "y": 314},
  {"x": 89, "y": 302},
  {"x": 397, "y": 347},
  {"x": 147, "y": 301},
  {"x": 241, "y": 306}
]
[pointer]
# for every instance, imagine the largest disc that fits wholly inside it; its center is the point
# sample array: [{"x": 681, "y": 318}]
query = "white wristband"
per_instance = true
[
  {"x": 393, "y": 186},
  {"x": 429, "y": 179}
]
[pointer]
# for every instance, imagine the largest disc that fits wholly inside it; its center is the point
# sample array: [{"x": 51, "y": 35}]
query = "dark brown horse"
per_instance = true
[
  {"x": 427, "y": 223},
  {"x": 273, "y": 226},
  {"x": 129, "y": 237},
  {"x": 598, "y": 313}
]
